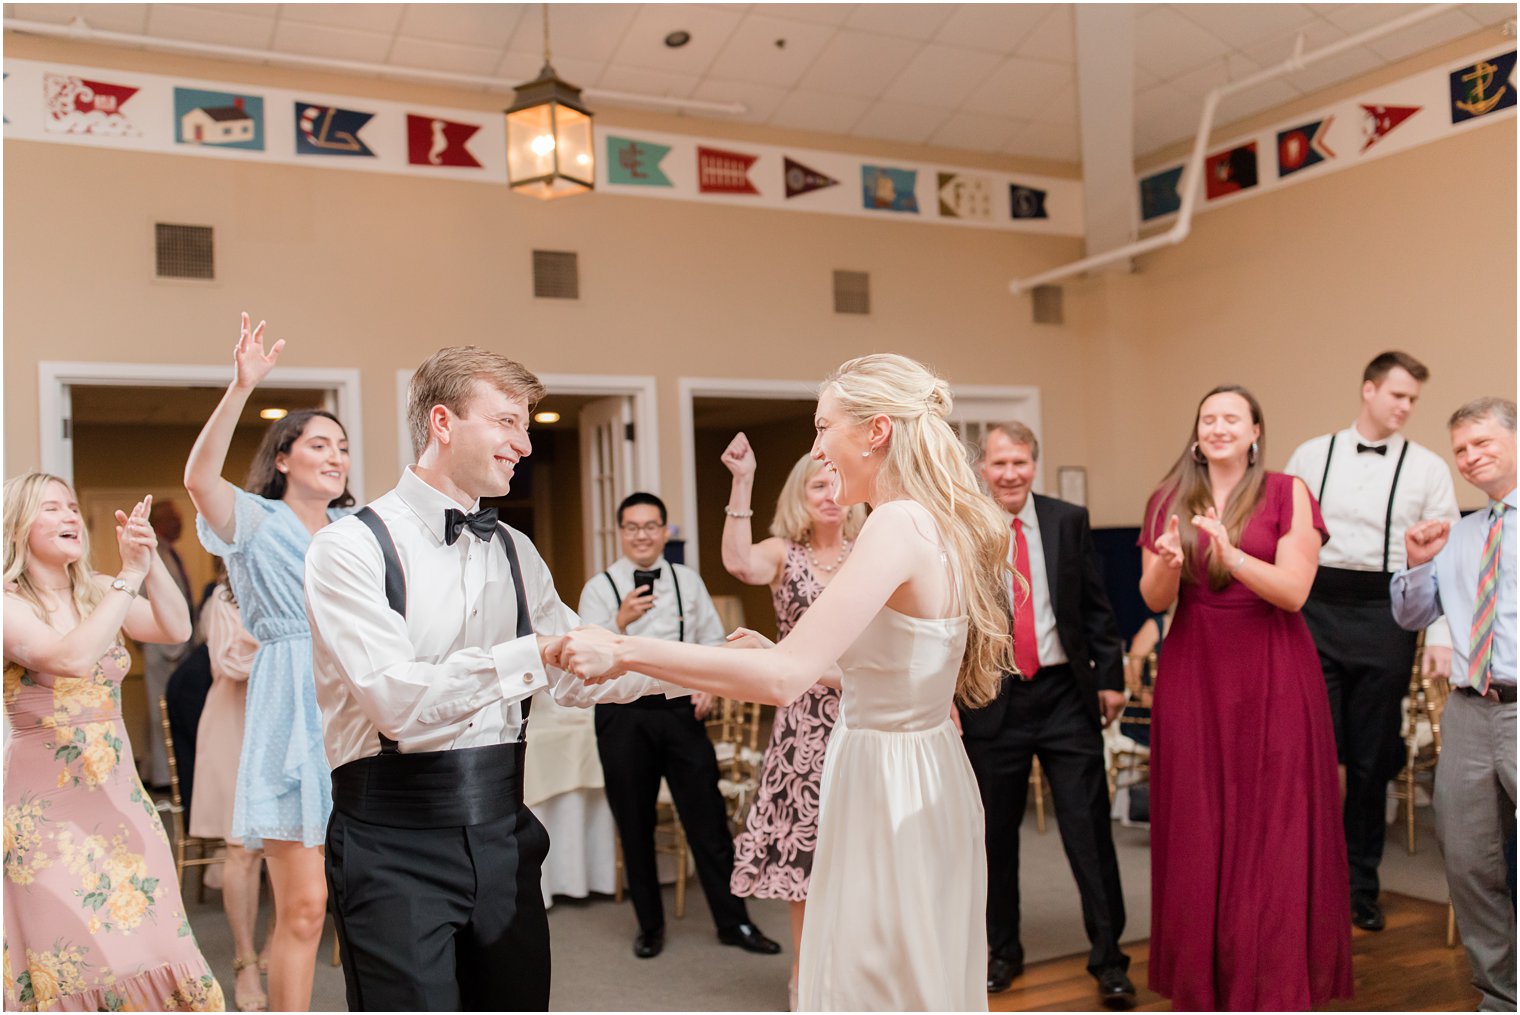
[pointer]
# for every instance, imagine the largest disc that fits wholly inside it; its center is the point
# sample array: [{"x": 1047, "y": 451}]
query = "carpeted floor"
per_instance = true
[{"x": 594, "y": 967}]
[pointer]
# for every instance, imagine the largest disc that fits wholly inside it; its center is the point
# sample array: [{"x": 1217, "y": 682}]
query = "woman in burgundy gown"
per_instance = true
[{"x": 1249, "y": 890}]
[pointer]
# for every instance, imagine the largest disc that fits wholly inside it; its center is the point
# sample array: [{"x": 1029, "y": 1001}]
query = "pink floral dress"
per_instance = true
[
  {"x": 93, "y": 915},
  {"x": 773, "y": 856}
]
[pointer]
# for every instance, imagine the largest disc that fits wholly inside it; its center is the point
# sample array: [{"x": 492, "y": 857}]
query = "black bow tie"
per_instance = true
[
  {"x": 1376, "y": 449},
  {"x": 482, "y": 523}
]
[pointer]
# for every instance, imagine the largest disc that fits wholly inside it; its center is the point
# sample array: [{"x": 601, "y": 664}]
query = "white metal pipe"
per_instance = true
[
  {"x": 81, "y": 31},
  {"x": 1193, "y": 168}
]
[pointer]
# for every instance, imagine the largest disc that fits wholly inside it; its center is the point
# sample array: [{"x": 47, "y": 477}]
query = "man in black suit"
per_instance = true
[{"x": 1070, "y": 685}]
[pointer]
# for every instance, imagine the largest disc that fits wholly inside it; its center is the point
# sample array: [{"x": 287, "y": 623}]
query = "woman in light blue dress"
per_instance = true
[{"x": 297, "y": 484}]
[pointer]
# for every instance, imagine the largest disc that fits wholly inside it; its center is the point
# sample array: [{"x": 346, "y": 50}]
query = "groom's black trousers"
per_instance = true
[{"x": 443, "y": 918}]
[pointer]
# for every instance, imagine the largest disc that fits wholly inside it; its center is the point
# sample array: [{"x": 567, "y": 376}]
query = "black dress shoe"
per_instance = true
[
  {"x": 1114, "y": 988},
  {"x": 1001, "y": 973},
  {"x": 748, "y": 937},
  {"x": 1367, "y": 914},
  {"x": 649, "y": 943}
]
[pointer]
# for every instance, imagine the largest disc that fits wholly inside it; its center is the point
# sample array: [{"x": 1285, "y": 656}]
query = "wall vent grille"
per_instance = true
[
  {"x": 183, "y": 252},
  {"x": 556, "y": 275}
]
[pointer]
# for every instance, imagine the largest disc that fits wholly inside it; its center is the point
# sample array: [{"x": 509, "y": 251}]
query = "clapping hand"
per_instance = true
[
  {"x": 250, "y": 363},
  {"x": 739, "y": 456},
  {"x": 1423, "y": 540},
  {"x": 1210, "y": 525},
  {"x": 1169, "y": 545},
  {"x": 587, "y": 653},
  {"x": 135, "y": 538}
]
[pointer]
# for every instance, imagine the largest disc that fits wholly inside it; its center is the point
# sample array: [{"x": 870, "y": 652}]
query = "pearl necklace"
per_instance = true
[{"x": 844, "y": 550}]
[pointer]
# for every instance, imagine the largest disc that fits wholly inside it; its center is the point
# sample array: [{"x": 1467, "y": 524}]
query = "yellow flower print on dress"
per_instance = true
[
  {"x": 90, "y": 753},
  {"x": 24, "y": 823},
  {"x": 51, "y": 975},
  {"x": 114, "y": 882},
  {"x": 199, "y": 993}
]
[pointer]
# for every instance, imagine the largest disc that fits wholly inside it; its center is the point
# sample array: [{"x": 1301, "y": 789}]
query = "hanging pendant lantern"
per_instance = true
[{"x": 550, "y": 151}]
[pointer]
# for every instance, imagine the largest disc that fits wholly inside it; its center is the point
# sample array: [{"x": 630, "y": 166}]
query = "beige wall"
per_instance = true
[{"x": 1290, "y": 292}]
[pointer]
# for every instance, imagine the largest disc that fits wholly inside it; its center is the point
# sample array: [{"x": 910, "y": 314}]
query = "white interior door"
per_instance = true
[
  {"x": 607, "y": 457},
  {"x": 976, "y": 413}
]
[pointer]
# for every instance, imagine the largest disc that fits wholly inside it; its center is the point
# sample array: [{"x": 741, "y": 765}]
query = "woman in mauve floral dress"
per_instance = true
[
  {"x": 810, "y": 537},
  {"x": 94, "y": 920}
]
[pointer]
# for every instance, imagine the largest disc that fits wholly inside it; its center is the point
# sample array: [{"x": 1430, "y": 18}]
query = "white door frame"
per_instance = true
[
  {"x": 691, "y": 388},
  {"x": 56, "y": 377},
  {"x": 646, "y": 461}
]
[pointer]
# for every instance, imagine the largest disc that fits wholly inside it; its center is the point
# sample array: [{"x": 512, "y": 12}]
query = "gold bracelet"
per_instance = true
[{"x": 737, "y": 514}]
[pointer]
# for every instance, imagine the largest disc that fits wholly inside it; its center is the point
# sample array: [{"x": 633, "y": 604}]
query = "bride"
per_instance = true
[{"x": 916, "y": 619}]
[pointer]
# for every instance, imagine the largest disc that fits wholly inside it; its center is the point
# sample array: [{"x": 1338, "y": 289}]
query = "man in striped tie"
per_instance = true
[{"x": 1467, "y": 572}]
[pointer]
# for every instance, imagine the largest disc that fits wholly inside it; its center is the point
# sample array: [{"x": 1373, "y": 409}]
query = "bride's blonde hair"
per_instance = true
[{"x": 927, "y": 463}]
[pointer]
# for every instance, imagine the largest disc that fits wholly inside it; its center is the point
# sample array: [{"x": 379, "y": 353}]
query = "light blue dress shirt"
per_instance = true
[{"x": 1449, "y": 584}]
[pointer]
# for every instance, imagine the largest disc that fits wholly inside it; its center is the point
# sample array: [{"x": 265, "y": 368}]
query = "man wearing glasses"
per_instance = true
[{"x": 656, "y": 737}]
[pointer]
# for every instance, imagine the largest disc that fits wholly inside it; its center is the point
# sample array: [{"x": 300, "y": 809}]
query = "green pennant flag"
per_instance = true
[{"x": 636, "y": 162}]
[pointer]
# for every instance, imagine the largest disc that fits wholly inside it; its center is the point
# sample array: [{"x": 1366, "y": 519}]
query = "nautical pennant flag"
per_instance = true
[
  {"x": 724, "y": 172},
  {"x": 1159, "y": 194},
  {"x": 1302, "y": 147},
  {"x": 1230, "y": 171},
  {"x": 81, "y": 106},
  {"x": 431, "y": 141},
  {"x": 800, "y": 179},
  {"x": 1482, "y": 88},
  {"x": 964, "y": 196},
  {"x": 1027, "y": 202},
  {"x": 885, "y": 188},
  {"x": 220, "y": 119},
  {"x": 636, "y": 163},
  {"x": 328, "y": 130},
  {"x": 1380, "y": 120}
]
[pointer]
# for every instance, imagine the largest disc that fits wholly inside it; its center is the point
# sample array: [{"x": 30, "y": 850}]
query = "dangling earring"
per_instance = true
[
  {"x": 1251, "y": 458},
  {"x": 1198, "y": 455}
]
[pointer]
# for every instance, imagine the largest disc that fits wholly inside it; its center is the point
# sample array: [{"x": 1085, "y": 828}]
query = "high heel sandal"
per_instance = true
[{"x": 247, "y": 1002}]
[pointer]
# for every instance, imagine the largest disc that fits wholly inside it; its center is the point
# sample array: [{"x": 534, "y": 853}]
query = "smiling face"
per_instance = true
[
  {"x": 316, "y": 466},
  {"x": 644, "y": 534},
  {"x": 841, "y": 445},
  {"x": 1225, "y": 431},
  {"x": 57, "y": 535},
  {"x": 1386, "y": 405},
  {"x": 1485, "y": 453},
  {"x": 1008, "y": 469},
  {"x": 487, "y": 440},
  {"x": 818, "y": 499}
]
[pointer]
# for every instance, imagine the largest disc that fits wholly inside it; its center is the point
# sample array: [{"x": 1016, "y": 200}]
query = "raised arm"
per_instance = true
[
  {"x": 1161, "y": 568},
  {"x": 212, "y": 494},
  {"x": 750, "y": 562},
  {"x": 893, "y": 554}
]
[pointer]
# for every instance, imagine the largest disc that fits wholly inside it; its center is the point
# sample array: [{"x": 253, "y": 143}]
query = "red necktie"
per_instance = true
[{"x": 1026, "y": 646}]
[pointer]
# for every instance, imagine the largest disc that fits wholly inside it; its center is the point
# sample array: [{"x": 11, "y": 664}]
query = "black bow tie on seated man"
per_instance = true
[
  {"x": 482, "y": 523},
  {"x": 1376, "y": 449}
]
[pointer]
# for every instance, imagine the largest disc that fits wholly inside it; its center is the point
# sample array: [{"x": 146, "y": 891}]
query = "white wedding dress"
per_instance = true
[{"x": 896, "y": 910}]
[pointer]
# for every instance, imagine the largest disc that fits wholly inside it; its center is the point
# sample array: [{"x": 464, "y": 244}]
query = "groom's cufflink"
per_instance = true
[{"x": 527, "y": 678}]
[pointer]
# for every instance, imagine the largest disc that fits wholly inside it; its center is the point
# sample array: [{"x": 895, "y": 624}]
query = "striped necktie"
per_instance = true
[{"x": 1480, "y": 656}]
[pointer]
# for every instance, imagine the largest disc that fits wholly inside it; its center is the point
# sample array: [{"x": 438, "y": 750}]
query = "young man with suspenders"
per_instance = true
[{"x": 1372, "y": 485}]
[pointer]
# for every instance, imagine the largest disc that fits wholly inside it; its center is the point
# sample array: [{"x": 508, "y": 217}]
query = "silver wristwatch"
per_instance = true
[{"x": 121, "y": 585}]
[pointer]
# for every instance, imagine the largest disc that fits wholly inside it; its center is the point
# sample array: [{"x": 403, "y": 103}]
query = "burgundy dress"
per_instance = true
[
  {"x": 1250, "y": 901},
  {"x": 773, "y": 856}
]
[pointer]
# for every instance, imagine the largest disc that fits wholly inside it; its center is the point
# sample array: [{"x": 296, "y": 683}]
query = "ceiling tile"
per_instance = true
[
  {"x": 1167, "y": 44},
  {"x": 1358, "y": 17},
  {"x": 644, "y": 42},
  {"x": 1270, "y": 50},
  {"x": 1240, "y": 25},
  {"x": 752, "y": 54},
  {"x": 524, "y": 67},
  {"x": 1055, "y": 38},
  {"x": 819, "y": 14},
  {"x": 910, "y": 21},
  {"x": 900, "y": 121},
  {"x": 998, "y": 27},
  {"x": 1061, "y": 107},
  {"x": 859, "y": 63},
  {"x": 52, "y": 14},
  {"x": 941, "y": 76},
  {"x": 1258, "y": 99},
  {"x": 619, "y": 78},
  {"x": 365, "y": 17},
  {"x": 446, "y": 56},
  {"x": 489, "y": 25},
  {"x": 130, "y": 18},
  {"x": 829, "y": 114},
  {"x": 1019, "y": 86},
  {"x": 976, "y": 132},
  {"x": 1198, "y": 83},
  {"x": 1046, "y": 141},
  {"x": 340, "y": 43},
  {"x": 221, "y": 27},
  {"x": 582, "y": 31},
  {"x": 1484, "y": 14},
  {"x": 762, "y": 100},
  {"x": 1158, "y": 99},
  {"x": 1427, "y": 34}
]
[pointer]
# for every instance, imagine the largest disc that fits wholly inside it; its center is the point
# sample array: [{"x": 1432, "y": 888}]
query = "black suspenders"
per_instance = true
[
  {"x": 1392, "y": 490},
  {"x": 395, "y": 595},
  {"x": 675, "y": 579}
]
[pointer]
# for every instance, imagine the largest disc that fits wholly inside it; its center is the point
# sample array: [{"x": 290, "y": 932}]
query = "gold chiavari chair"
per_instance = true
[
  {"x": 734, "y": 727},
  {"x": 207, "y": 851},
  {"x": 1129, "y": 763}
]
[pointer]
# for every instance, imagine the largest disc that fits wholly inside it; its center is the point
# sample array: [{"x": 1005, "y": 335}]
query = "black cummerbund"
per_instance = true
[
  {"x": 432, "y": 789},
  {"x": 1339, "y": 586}
]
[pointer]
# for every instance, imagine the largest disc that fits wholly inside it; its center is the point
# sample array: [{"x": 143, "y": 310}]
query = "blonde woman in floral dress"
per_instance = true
[{"x": 93, "y": 915}]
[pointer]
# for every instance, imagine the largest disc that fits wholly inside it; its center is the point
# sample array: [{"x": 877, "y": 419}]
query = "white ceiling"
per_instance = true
[{"x": 984, "y": 77}]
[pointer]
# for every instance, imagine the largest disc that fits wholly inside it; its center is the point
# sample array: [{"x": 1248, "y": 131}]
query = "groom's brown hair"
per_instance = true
[{"x": 448, "y": 377}]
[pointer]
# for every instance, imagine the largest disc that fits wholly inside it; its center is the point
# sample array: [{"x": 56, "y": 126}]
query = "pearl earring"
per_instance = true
[{"x": 866, "y": 453}]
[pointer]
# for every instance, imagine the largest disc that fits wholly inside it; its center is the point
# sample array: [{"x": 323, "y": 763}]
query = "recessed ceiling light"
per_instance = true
[
  {"x": 546, "y": 417},
  {"x": 677, "y": 39},
  {"x": 273, "y": 413}
]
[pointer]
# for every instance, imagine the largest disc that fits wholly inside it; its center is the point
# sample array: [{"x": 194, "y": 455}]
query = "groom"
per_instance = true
[{"x": 429, "y": 622}]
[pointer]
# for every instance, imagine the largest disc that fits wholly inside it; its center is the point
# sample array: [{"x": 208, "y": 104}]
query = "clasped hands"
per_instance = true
[{"x": 590, "y": 653}]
